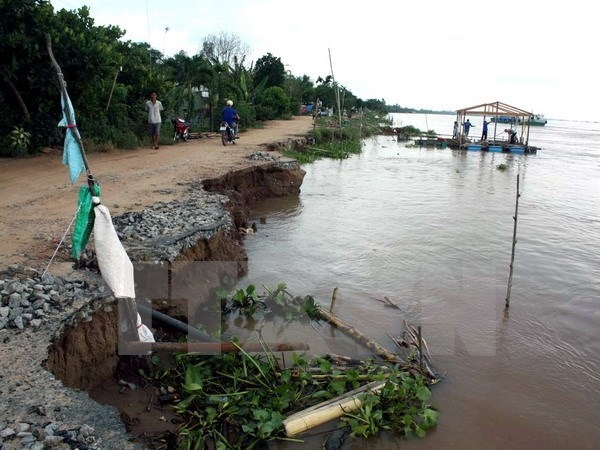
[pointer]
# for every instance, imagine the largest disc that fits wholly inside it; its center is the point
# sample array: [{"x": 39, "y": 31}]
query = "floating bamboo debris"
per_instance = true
[
  {"x": 211, "y": 348},
  {"x": 344, "y": 360},
  {"x": 412, "y": 337},
  {"x": 387, "y": 302},
  {"x": 356, "y": 334},
  {"x": 331, "y": 409}
]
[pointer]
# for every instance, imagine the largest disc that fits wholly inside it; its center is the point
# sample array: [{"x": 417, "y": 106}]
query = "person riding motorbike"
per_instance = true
[{"x": 230, "y": 115}]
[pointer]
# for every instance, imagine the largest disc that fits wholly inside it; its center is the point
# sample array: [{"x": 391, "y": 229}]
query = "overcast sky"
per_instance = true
[{"x": 537, "y": 55}]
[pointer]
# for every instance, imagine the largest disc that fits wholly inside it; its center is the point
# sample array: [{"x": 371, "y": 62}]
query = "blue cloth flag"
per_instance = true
[{"x": 72, "y": 156}]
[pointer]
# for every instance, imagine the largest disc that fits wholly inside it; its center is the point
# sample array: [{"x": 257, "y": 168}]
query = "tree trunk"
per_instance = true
[{"x": 22, "y": 104}]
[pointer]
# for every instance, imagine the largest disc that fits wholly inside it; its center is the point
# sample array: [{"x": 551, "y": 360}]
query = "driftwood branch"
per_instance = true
[
  {"x": 387, "y": 302},
  {"x": 413, "y": 338},
  {"x": 356, "y": 334}
]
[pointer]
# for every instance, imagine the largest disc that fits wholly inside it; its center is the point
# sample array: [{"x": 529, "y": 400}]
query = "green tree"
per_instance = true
[
  {"x": 186, "y": 76},
  {"x": 375, "y": 105},
  {"x": 326, "y": 94},
  {"x": 299, "y": 89},
  {"x": 306, "y": 89},
  {"x": 274, "y": 104},
  {"x": 89, "y": 58},
  {"x": 109, "y": 79},
  {"x": 270, "y": 70},
  {"x": 24, "y": 67}
]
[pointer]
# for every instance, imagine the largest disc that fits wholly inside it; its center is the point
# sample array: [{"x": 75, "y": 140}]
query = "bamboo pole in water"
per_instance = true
[
  {"x": 211, "y": 348},
  {"x": 420, "y": 336},
  {"x": 333, "y": 299},
  {"x": 328, "y": 410},
  {"x": 514, "y": 243}
]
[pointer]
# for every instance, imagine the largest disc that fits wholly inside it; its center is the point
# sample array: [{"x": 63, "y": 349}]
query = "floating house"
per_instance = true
[{"x": 510, "y": 137}]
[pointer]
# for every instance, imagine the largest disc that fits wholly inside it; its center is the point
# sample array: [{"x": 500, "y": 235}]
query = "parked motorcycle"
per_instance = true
[
  {"x": 181, "y": 129},
  {"x": 227, "y": 133}
]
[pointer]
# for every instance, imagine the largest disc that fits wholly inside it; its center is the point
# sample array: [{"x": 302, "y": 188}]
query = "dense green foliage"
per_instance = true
[{"x": 109, "y": 79}]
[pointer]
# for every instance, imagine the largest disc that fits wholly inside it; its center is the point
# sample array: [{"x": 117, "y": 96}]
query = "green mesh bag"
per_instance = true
[{"x": 84, "y": 223}]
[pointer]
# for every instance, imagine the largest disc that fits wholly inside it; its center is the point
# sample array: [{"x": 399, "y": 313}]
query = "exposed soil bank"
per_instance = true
[{"x": 85, "y": 354}]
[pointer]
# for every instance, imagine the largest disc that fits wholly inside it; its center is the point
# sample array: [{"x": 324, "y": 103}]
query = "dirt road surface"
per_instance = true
[{"x": 38, "y": 202}]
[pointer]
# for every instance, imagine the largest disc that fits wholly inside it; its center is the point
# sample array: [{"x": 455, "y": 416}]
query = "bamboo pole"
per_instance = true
[
  {"x": 337, "y": 91},
  {"x": 356, "y": 334},
  {"x": 212, "y": 348},
  {"x": 328, "y": 410},
  {"x": 514, "y": 243},
  {"x": 113, "y": 87}
]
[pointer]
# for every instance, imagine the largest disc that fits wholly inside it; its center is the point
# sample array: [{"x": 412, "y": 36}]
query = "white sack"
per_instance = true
[{"x": 115, "y": 265}]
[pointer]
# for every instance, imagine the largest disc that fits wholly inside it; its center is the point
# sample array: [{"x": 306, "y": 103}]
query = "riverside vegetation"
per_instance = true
[
  {"x": 240, "y": 400},
  {"x": 338, "y": 140}
]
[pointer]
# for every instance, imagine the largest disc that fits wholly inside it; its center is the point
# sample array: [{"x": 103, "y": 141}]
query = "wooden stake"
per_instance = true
[{"x": 514, "y": 243}]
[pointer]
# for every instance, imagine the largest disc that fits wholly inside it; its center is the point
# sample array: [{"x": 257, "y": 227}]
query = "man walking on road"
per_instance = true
[{"x": 154, "y": 107}]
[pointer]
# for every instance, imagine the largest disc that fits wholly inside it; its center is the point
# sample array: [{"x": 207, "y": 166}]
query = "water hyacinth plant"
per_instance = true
[{"x": 238, "y": 400}]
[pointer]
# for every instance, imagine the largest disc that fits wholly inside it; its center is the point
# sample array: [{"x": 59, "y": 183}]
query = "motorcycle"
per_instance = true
[
  {"x": 181, "y": 129},
  {"x": 227, "y": 133}
]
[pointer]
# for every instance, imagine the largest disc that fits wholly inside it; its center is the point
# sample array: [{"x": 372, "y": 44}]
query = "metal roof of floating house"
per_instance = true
[{"x": 494, "y": 109}]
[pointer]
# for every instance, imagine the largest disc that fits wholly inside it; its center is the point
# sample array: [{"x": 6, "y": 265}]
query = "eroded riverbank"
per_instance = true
[{"x": 59, "y": 336}]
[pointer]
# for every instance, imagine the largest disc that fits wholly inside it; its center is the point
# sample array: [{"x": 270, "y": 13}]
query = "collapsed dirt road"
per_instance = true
[{"x": 38, "y": 202}]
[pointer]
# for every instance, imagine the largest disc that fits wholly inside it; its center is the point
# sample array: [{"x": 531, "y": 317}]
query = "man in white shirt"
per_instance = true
[{"x": 154, "y": 107}]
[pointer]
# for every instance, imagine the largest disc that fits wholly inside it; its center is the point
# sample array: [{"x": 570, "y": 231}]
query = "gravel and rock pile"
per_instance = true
[
  {"x": 36, "y": 410},
  {"x": 28, "y": 298}
]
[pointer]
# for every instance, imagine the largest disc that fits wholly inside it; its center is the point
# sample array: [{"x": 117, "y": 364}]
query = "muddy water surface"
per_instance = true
[{"x": 431, "y": 229}]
